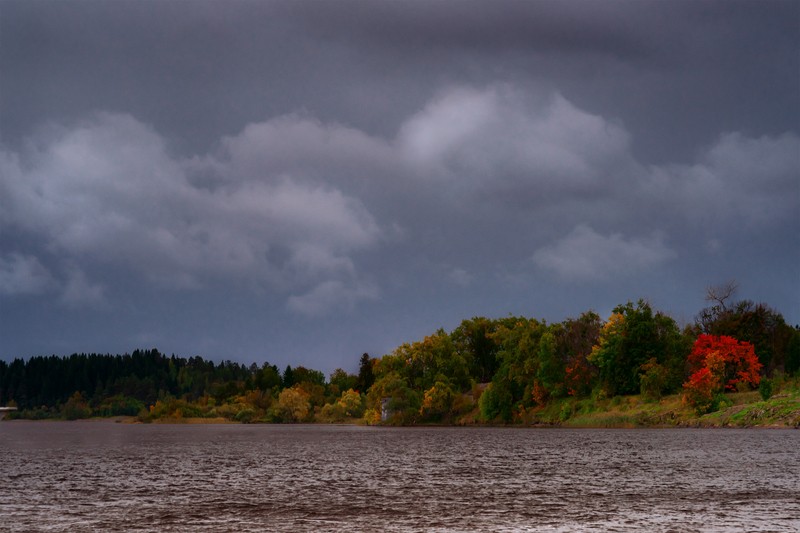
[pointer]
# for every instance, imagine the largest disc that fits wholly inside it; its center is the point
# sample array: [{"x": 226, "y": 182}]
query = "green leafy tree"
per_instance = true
[
  {"x": 652, "y": 379},
  {"x": 497, "y": 401},
  {"x": 793, "y": 354},
  {"x": 302, "y": 374},
  {"x": 765, "y": 389},
  {"x": 630, "y": 338},
  {"x": 432, "y": 359},
  {"x": 267, "y": 378},
  {"x": 551, "y": 371},
  {"x": 402, "y": 401},
  {"x": 473, "y": 340},
  {"x": 343, "y": 381},
  {"x": 518, "y": 341}
]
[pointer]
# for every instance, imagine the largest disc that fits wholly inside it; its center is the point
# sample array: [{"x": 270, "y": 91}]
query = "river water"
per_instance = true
[{"x": 101, "y": 476}]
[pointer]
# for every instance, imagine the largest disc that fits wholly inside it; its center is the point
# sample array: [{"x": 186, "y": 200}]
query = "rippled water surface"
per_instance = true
[{"x": 99, "y": 476}]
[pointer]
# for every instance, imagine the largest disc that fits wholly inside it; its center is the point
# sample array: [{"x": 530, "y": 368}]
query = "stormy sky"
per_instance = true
[{"x": 302, "y": 182}]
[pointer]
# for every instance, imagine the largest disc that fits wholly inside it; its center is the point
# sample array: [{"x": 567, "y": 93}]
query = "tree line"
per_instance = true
[{"x": 485, "y": 370}]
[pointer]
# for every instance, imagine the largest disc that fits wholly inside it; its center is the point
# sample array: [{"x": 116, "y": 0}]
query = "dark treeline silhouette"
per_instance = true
[{"x": 144, "y": 375}]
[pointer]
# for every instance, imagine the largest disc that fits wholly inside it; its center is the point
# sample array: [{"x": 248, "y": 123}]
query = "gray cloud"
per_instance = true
[
  {"x": 23, "y": 274},
  {"x": 271, "y": 206},
  {"x": 585, "y": 255},
  {"x": 540, "y": 26},
  {"x": 331, "y": 295},
  {"x": 739, "y": 184},
  {"x": 79, "y": 292},
  {"x": 107, "y": 191}
]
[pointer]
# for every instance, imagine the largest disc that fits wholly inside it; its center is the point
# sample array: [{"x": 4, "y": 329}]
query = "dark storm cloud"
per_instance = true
[
  {"x": 372, "y": 64},
  {"x": 477, "y": 26},
  {"x": 372, "y": 171}
]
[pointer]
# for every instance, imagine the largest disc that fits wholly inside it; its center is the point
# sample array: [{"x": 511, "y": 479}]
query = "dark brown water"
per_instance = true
[{"x": 90, "y": 476}]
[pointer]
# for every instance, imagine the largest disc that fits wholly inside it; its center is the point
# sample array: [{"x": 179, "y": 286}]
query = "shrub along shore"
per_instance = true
[
  {"x": 737, "y": 365},
  {"x": 739, "y": 410}
]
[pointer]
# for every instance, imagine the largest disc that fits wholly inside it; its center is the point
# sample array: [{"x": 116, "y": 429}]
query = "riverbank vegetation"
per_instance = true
[{"x": 738, "y": 364}]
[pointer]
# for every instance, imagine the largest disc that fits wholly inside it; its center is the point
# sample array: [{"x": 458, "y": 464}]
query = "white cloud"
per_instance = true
[
  {"x": 586, "y": 255},
  {"x": 448, "y": 123},
  {"x": 499, "y": 139},
  {"x": 23, "y": 274}
]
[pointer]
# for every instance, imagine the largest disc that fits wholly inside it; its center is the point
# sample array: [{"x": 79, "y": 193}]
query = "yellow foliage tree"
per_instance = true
[{"x": 294, "y": 404}]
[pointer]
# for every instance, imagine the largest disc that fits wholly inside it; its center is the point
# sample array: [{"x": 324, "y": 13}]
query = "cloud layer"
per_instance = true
[{"x": 292, "y": 205}]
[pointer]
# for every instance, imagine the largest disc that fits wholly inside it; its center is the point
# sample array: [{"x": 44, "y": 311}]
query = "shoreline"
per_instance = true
[
  {"x": 737, "y": 410},
  {"x": 132, "y": 420}
]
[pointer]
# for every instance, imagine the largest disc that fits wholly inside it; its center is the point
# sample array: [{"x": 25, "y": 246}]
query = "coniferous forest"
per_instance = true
[{"x": 511, "y": 370}]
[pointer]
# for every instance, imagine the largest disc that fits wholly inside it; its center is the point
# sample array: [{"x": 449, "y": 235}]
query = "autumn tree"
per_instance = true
[
  {"x": 700, "y": 390},
  {"x": 606, "y": 355},
  {"x": 745, "y": 320},
  {"x": 575, "y": 338},
  {"x": 312, "y": 382},
  {"x": 349, "y": 405},
  {"x": 437, "y": 401},
  {"x": 76, "y": 408},
  {"x": 293, "y": 404},
  {"x": 730, "y": 361},
  {"x": 352, "y": 403}
]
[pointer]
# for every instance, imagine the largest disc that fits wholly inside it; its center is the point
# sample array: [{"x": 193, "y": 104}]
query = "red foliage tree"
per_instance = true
[
  {"x": 700, "y": 389},
  {"x": 730, "y": 361},
  {"x": 578, "y": 378}
]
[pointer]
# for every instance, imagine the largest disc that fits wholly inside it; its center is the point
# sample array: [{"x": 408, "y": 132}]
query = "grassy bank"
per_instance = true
[{"x": 745, "y": 409}]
